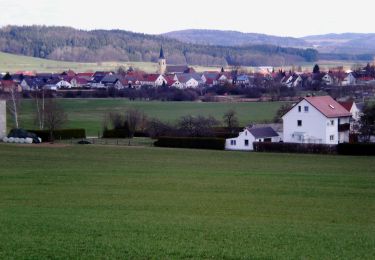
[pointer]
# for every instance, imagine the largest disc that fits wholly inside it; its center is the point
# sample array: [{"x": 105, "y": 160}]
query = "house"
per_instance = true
[
  {"x": 292, "y": 81},
  {"x": 64, "y": 84},
  {"x": 209, "y": 78},
  {"x": 112, "y": 81},
  {"x": 8, "y": 86},
  {"x": 242, "y": 80},
  {"x": 246, "y": 138},
  {"x": 352, "y": 107},
  {"x": 154, "y": 80},
  {"x": 317, "y": 120},
  {"x": 189, "y": 80},
  {"x": 349, "y": 80},
  {"x": 3, "y": 119}
]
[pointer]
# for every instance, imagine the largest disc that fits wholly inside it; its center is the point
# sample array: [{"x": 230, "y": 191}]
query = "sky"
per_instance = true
[{"x": 275, "y": 17}]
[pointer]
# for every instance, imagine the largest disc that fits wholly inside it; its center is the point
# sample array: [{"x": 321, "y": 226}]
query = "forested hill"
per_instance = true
[
  {"x": 234, "y": 38},
  {"x": 68, "y": 44}
]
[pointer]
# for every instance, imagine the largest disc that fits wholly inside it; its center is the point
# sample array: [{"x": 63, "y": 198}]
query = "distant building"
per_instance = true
[
  {"x": 162, "y": 63},
  {"x": 3, "y": 125}
]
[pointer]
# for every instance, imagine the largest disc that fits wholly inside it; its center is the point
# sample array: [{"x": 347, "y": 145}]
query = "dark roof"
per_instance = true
[
  {"x": 177, "y": 69},
  {"x": 263, "y": 132},
  {"x": 161, "y": 56}
]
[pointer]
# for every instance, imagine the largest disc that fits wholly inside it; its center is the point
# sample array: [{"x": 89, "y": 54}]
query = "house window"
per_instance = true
[
  {"x": 331, "y": 137},
  {"x": 245, "y": 132},
  {"x": 232, "y": 142},
  {"x": 299, "y": 122},
  {"x": 306, "y": 109},
  {"x": 246, "y": 142},
  {"x": 299, "y": 108},
  {"x": 332, "y": 122}
]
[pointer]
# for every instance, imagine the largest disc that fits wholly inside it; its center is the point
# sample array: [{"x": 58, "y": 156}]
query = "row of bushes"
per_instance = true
[
  {"x": 191, "y": 142},
  {"x": 295, "y": 148},
  {"x": 60, "y": 134},
  {"x": 122, "y": 133},
  {"x": 356, "y": 149}
]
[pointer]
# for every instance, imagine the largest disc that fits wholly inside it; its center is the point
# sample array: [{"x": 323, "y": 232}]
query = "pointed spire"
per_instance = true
[{"x": 161, "y": 56}]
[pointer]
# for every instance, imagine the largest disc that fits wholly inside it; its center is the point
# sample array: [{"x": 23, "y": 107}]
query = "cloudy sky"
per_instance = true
[{"x": 277, "y": 17}]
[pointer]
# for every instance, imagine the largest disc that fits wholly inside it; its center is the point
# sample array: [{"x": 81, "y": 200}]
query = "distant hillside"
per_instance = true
[
  {"x": 350, "y": 43},
  {"x": 68, "y": 44},
  {"x": 233, "y": 38}
]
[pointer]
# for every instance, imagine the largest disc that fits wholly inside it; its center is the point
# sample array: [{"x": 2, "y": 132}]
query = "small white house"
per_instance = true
[
  {"x": 349, "y": 80},
  {"x": 3, "y": 125},
  {"x": 317, "y": 120},
  {"x": 246, "y": 138}
]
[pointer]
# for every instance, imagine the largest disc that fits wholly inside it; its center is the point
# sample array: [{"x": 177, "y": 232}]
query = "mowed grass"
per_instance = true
[
  {"x": 98, "y": 202},
  {"x": 89, "y": 113}
]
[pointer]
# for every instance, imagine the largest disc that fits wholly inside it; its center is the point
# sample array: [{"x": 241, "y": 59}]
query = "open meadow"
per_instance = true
[
  {"x": 85, "y": 202},
  {"x": 89, "y": 113}
]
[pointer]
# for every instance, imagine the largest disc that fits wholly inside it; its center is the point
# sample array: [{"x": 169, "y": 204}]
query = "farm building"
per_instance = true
[{"x": 246, "y": 138}]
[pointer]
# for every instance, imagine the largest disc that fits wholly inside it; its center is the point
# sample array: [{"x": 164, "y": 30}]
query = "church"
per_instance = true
[{"x": 163, "y": 68}]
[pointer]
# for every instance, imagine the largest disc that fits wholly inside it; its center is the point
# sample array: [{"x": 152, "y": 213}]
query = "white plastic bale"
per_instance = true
[
  {"x": 29, "y": 140},
  {"x": 21, "y": 140},
  {"x": 11, "y": 140},
  {"x": 16, "y": 140},
  {"x": 5, "y": 139}
]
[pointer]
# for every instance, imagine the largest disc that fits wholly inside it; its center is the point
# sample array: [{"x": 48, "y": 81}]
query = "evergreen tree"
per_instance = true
[{"x": 316, "y": 69}]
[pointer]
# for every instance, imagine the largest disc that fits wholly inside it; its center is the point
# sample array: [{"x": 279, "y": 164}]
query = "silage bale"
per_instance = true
[
  {"x": 5, "y": 139},
  {"x": 11, "y": 140},
  {"x": 28, "y": 140}
]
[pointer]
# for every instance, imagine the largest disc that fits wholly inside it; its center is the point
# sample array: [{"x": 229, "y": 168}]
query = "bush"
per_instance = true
[
  {"x": 115, "y": 133},
  {"x": 191, "y": 142},
  {"x": 356, "y": 149},
  {"x": 61, "y": 134},
  {"x": 295, "y": 148}
]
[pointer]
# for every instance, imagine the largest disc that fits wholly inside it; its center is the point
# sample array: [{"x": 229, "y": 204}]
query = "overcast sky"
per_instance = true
[{"x": 276, "y": 17}]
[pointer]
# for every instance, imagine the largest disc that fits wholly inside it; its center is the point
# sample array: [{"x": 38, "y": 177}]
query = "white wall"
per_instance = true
[
  {"x": 3, "y": 126},
  {"x": 240, "y": 142}
]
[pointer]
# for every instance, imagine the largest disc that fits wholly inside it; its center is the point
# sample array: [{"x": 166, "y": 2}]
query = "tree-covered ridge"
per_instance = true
[{"x": 69, "y": 44}]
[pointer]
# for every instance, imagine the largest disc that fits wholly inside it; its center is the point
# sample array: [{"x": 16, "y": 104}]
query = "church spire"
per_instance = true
[{"x": 161, "y": 56}]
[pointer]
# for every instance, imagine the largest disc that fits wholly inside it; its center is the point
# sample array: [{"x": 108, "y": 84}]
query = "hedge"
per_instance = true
[
  {"x": 191, "y": 142},
  {"x": 295, "y": 148},
  {"x": 356, "y": 149},
  {"x": 122, "y": 133},
  {"x": 60, "y": 134}
]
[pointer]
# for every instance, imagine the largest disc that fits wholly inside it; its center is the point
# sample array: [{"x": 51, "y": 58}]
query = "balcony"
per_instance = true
[{"x": 344, "y": 127}]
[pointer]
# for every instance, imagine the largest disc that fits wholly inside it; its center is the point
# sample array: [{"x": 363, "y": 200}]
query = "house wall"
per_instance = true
[
  {"x": 313, "y": 125},
  {"x": 3, "y": 127},
  {"x": 240, "y": 142}
]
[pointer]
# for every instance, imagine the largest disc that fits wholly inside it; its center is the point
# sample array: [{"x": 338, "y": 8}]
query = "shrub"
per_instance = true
[
  {"x": 295, "y": 148},
  {"x": 191, "y": 142},
  {"x": 356, "y": 149},
  {"x": 115, "y": 133},
  {"x": 60, "y": 134}
]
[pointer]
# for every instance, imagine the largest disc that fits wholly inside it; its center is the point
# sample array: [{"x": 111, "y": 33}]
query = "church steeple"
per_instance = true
[
  {"x": 162, "y": 64},
  {"x": 161, "y": 56}
]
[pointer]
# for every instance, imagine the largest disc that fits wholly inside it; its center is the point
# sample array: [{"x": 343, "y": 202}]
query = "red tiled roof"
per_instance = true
[
  {"x": 347, "y": 105},
  {"x": 328, "y": 106},
  {"x": 85, "y": 74}
]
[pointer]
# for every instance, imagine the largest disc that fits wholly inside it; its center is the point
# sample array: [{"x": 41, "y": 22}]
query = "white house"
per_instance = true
[
  {"x": 63, "y": 84},
  {"x": 3, "y": 125},
  {"x": 349, "y": 80},
  {"x": 246, "y": 138},
  {"x": 317, "y": 120}
]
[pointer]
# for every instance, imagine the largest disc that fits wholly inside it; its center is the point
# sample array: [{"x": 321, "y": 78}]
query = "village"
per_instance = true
[{"x": 264, "y": 83}]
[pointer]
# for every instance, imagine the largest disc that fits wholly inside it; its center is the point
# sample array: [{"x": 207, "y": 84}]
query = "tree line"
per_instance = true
[{"x": 68, "y": 44}]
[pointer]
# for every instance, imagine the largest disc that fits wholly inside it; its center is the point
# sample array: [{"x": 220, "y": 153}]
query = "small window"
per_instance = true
[
  {"x": 306, "y": 109},
  {"x": 332, "y": 122},
  {"x": 299, "y": 108},
  {"x": 246, "y": 142},
  {"x": 299, "y": 122},
  {"x": 332, "y": 138},
  {"x": 232, "y": 142}
]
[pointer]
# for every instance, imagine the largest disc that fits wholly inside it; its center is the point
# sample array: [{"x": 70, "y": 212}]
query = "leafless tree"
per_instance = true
[
  {"x": 39, "y": 99},
  {"x": 13, "y": 103},
  {"x": 230, "y": 119},
  {"x": 55, "y": 116}
]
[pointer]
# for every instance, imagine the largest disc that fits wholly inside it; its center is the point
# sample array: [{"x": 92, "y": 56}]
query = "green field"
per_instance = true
[
  {"x": 14, "y": 63},
  {"x": 103, "y": 202},
  {"x": 89, "y": 113}
]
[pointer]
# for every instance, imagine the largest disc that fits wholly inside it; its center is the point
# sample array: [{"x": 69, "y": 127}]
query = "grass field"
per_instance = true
[
  {"x": 89, "y": 113},
  {"x": 14, "y": 63},
  {"x": 107, "y": 202}
]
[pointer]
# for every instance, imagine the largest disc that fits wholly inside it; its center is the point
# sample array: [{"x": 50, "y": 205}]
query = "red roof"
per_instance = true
[
  {"x": 347, "y": 105},
  {"x": 151, "y": 77},
  {"x": 328, "y": 106},
  {"x": 85, "y": 74}
]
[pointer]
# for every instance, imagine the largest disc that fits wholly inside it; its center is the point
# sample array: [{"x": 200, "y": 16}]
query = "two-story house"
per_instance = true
[{"x": 317, "y": 120}]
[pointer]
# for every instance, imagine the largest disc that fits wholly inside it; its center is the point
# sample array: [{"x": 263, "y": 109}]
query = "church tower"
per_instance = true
[{"x": 162, "y": 66}]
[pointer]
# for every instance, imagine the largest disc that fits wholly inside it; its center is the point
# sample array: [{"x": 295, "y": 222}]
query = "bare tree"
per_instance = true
[
  {"x": 39, "y": 99},
  {"x": 13, "y": 103},
  {"x": 134, "y": 118},
  {"x": 230, "y": 119},
  {"x": 55, "y": 117}
]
